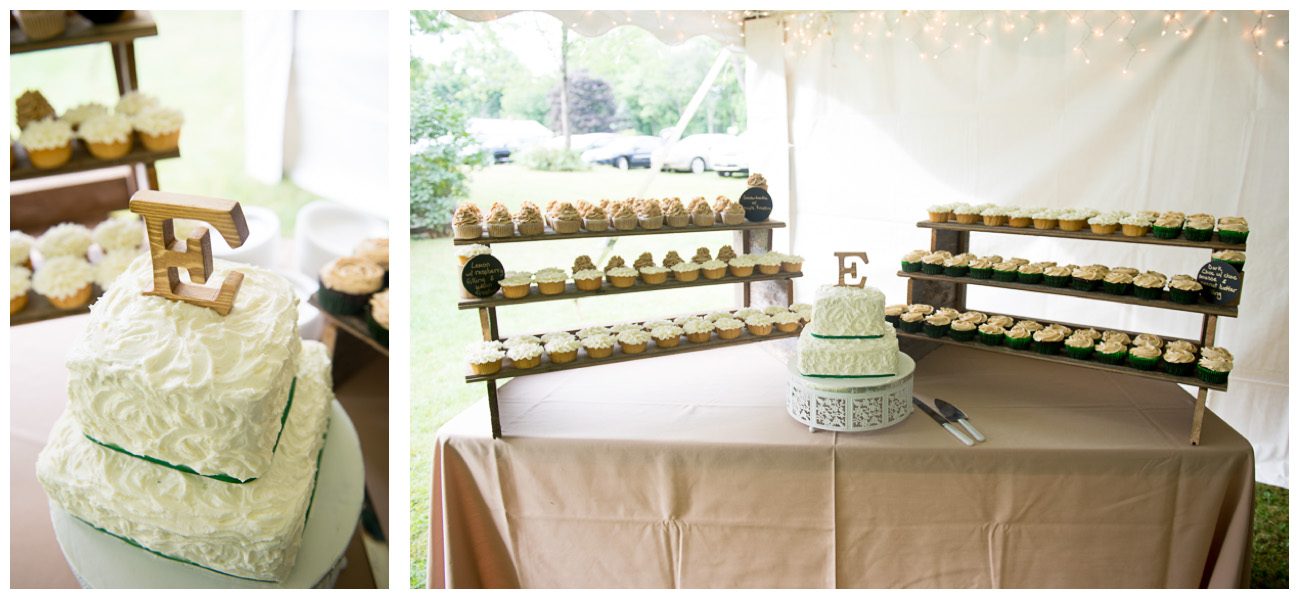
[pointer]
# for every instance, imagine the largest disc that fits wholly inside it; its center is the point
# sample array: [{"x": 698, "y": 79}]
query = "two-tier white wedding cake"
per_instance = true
[{"x": 848, "y": 335}]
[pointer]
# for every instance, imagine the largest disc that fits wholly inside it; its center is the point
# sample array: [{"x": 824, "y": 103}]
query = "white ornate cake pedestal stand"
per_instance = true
[
  {"x": 850, "y": 403},
  {"x": 100, "y": 560}
]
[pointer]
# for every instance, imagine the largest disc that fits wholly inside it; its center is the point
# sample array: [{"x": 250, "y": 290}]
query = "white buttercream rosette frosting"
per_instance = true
[
  {"x": 119, "y": 234},
  {"x": 158, "y": 120},
  {"x": 64, "y": 239},
  {"x": 62, "y": 276},
  {"x": 106, "y": 129},
  {"x": 46, "y": 134}
]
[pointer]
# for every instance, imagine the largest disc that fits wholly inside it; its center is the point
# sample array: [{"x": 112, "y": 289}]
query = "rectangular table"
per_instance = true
[{"x": 685, "y": 471}]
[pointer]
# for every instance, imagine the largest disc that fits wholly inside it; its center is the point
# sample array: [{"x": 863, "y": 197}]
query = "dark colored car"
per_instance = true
[{"x": 625, "y": 152}]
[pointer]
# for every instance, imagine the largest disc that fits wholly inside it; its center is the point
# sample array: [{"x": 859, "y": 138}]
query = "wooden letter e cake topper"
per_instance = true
[
  {"x": 851, "y": 270},
  {"x": 194, "y": 254}
]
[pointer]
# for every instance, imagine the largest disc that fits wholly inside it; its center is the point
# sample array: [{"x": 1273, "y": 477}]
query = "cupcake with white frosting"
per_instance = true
[
  {"x": 107, "y": 136},
  {"x": 119, "y": 235},
  {"x": 64, "y": 239},
  {"x": 562, "y": 349},
  {"x": 133, "y": 102},
  {"x": 48, "y": 143},
  {"x": 78, "y": 114},
  {"x": 633, "y": 341},
  {"x": 666, "y": 336},
  {"x": 485, "y": 357},
  {"x": 516, "y": 284},
  {"x": 728, "y": 328},
  {"x": 65, "y": 280},
  {"x": 112, "y": 265},
  {"x": 20, "y": 280},
  {"x": 699, "y": 331},
  {"x": 20, "y": 249},
  {"x": 159, "y": 128},
  {"x": 525, "y": 356}
]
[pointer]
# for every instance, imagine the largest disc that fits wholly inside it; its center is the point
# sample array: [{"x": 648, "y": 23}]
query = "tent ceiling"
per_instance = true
[{"x": 672, "y": 27}]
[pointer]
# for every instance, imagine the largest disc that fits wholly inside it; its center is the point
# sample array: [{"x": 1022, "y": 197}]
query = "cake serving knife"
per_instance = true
[
  {"x": 952, "y": 413},
  {"x": 942, "y": 421}
]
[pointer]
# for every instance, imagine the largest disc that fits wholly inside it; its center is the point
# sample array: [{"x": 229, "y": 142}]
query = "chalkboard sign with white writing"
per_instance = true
[
  {"x": 481, "y": 276},
  {"x": 1220, "y": 282},
  {"x": 757, "y": 203}
]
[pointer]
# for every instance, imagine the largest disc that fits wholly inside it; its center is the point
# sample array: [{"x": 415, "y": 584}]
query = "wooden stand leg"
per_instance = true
[
  {"x": 487, "y": 319},
  {"x": 492, "y": 408},
  {"x": 1198, "y": 415},
  {"x": 124, "y": 66}
]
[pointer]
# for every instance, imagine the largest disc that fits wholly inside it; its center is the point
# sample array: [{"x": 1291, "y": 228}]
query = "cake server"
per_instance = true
[
  {"x": 942, "y": 421},
  {"x": 952, "y": 413}
]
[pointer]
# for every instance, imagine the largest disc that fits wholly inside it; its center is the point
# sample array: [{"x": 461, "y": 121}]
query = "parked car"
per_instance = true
[
  {"x": 690, "y": 153},
  {"x": 582, "y": 141},
  {"x": 503, "y": 137},
  {"x": 732, "y": 156},
  {"x": 625, "y": 152}
]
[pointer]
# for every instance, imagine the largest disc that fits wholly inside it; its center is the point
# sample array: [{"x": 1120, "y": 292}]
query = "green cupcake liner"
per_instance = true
[
  {"x": 1059, "y": 281},
  {"x": 935, "y": 331},
  {"x": 911, "y": 267},
  {"x": 1005, "y": 275},
  {"x": 1117, "y": 289},
  {"x": 1111, "y": 359},
  {"x": 1079, "y": 353},
  {"x": 1143, "y": 364},
  {"x": 1183, "y": 296},
  {"x": 1084, "y": 285},
  {"x": 893, "y": 319},
  {"x": 339, "y": 303},
  {"x": 1029, "y": 277},
  {"x": 1236, "y": 265},
  {"x": 956, "y": 271},
  {"x": 1198, "y": 235},
  {"x": 930, "y": 269},
  {"x": 1233, "y": 237},
  {"x": 1048, "y": 347},
  {"x": 1019, "y": 343},
  {"x": 1209, "y": 376},
  {"x": 1147, "y": 293},
  {"x": 1166, "y": 233},
  {"x": 1179, "y": 369},
  {"x": 377, "y": 331},
  {"x": 909, "y": 327},
  {"x": 992, "y": 339},
  {"x": 962, "y": 336},
  {"x": 981, "y": 273}
]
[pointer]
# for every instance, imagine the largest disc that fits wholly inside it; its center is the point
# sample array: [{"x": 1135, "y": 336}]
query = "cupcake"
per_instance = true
[
  {"x": 347, "y": 283},
  {"x": 666, "y": 336},
  {"x": 734, "y": 214},
  {"x": 1214, "y": 369},
  {"x": 701, "y": 213},
  {"x": 685, "y": 271},
  {"x": 623, "y": 216},
  {"x": 1135, "y": 226},
  {"x": 949, "y": 312},
  {"x": 78, "y": 114},
  {"x": 932, "y": 264},
  {"x": 1184, "y": 291},
  {"x": 940, "y": 213},
  {"x": 1072, "y": 220},
  {"x": 528, "y": 221},
  {"x": 791, "y": 263},
  {"x": 912, "y": 261},
  {"x": 1002, "y": 321},
  {"x": 1103, "y": 224},
  {"x": 1149, "y": 285},
  {"x": 1006, "y": 271},
  {"x": 516, "y": 284},
  {"x": 65, "y": 280},
  {"x": 675, "y": 214},
  {"x": 962, "y": 331},
  {"x": 31, "y": 107},
  {"x": 595, "y": 219},
  {"x": 1143, "y": 357},
  {"x": 1178, "y": 362},
  {"x": 134, "y": 102},
  {"x": 1048, "y": 341},
  {"x": 991, "y": 334},
  {"x": 467, "y": 223},
  {"x": 720, "y": 204},
  {"x": 499, "y": 222},
  {"x": 1029, "y": 274},
  {"x": 936, "y": 326},
  {"x": 728, "y": 328},
  {"x": 967, "y": 214},
  {"x": 1086, "y": 279},
  {"x": 485, "y": 357},
  {"x": 654, "y": 274},
  {"x": 598, "y": 345},
  {"x": 894, "y": 312},
  {"x": 759, "y": 324},
  {"x": 20, "y": 249},
  {"x": 698, "y": 331},
  {"x": 756, "y": 180},
  {"x": 1020, "y": 217},
  {"x": 1236, "y": 258},
  {"x": 1047, "y": 218},
  {"x": 1117, "y": 283},
  {"x": 1111, "y": 352},
  {"x": 742, "y": 266},
  {"x": 1019, "y": 338},
  {"x": 566, "y": 220},
  {"x": 107, "y": 136},
  {"x": 1233, "y": 230},
  {"x": 525, "y": 356},
  {"x": 48, "y": 143},
  {"x": 786, "y": 322},
  {"x": 1168, "y": 226},
  {"x": 1199, "y": 227},
  {"x": 159, "y": 128},
  {"x": 621, "y": 277},
  {"x": 1079, "y": 346},
  {"x": 650, "y": 216},
  {"x": 112, "y": 265},
  {"x": 550, "y": 281},
  {"x": 713, "y": 269},
  {"x": 377, "y": 317},
  {"x": 957, "y": 266},
  {"x": 1057, "y": 276},
  {"x": 20, "y": 280},
  {"x": 981, "y": 268},
  {"x": 994, "y": 216},
  {"x": 562, "y": 349},
  {"x": 65, "y": 239}
]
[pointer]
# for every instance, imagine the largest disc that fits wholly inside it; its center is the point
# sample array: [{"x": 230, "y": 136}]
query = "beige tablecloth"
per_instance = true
[{"x": 686, "y": 471}]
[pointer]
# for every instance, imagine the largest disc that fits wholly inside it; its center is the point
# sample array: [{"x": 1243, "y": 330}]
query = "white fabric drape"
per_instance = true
[
  {"x": 672, "y": 27},
  {"x": 1151, "y": 122}
]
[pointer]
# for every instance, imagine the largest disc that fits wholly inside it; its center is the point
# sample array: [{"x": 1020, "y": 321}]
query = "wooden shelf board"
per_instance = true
[
  {"x": 1086, "y": 234},
  {"x": 1065, "y": 360},
  {"x": 39, "y": 308},
  {"x": 1164, "y": 302},
  {"x": 81, "y": 31},
  {"x": 550, "y": 234},
  {"x": 572, "y": 292},
  {"x": 651, "y": 351},
  {"x": 82, "y": 161},
  {"x": 353, "y": 324}
]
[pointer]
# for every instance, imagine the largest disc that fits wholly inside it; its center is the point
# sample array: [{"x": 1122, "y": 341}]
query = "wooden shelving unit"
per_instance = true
[
  {"x": 941, "y": 290},
  {"x": 750, "y": 238},
  {"x": 120, "y": 37},
  {"x": 39, "y": 308},
  {"x": 341, "y": 335}
]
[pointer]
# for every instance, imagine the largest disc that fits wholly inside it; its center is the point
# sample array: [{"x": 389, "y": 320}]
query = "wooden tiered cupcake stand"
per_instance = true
[{"x": 942, "y": 290}]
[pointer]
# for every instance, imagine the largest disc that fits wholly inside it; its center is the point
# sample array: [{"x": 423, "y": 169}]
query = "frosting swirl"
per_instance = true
[
  {"x": 106, "y": 129},
  {"x": 64, "y": 239},
  {"x": 352, "y": 275},
  {"x": 755, "y": 180}
]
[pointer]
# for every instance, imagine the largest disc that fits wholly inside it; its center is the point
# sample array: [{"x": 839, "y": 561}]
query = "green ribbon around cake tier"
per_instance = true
[
  {"x": 847, "y": 337},
  {"x": 848, "y": 376},
  {"x": 284, "y": 416}
]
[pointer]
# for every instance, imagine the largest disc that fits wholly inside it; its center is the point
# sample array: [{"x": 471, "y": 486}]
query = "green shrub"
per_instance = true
[
  {"x": 438, "y": 169},
  {"x": 553, "y": 159}
]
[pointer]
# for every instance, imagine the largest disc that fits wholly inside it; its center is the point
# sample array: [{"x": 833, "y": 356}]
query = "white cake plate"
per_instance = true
[
  {"x": 850, "y": 403},
  {"x": 100, "y": 560}
]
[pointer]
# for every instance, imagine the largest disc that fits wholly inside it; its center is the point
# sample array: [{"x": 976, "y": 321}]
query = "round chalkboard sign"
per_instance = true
[
  {"x": 757, "y": 203},
  {"x": 481, "y": 276},
  {"x": 1220, "y": 282}
]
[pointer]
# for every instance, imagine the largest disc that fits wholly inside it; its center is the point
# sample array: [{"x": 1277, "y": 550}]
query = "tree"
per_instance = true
[
  {"x": 442, "y": 152},
  {"x": 591, "y": 104}
]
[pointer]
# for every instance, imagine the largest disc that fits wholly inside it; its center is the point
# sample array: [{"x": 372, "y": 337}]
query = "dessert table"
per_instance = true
[{"x": 685, "y": 471}]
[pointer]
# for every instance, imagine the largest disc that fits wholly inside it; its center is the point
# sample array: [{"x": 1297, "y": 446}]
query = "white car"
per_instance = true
[
  {"x": 690, "y": 153},
  {"x": 731, "y": 157}
]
